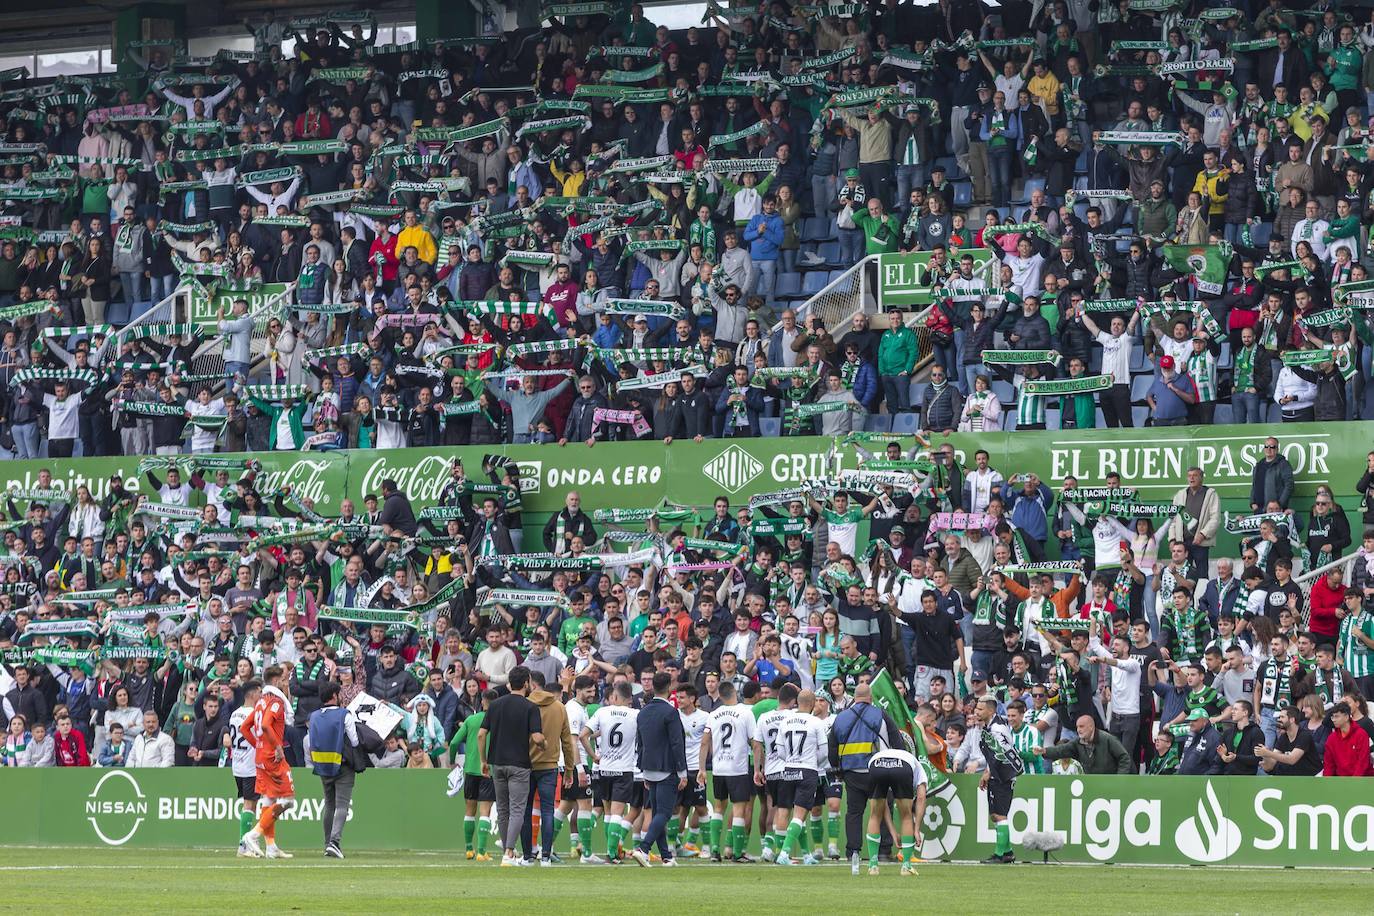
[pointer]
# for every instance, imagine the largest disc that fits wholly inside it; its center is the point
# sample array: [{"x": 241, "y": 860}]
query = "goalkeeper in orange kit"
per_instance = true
[{"x": 265, "y": 729}]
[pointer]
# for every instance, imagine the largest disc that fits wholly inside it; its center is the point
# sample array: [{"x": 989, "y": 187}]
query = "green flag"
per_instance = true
[
  {"x": 1207, "y": 264},
  {"x": 886, "y": 698}
]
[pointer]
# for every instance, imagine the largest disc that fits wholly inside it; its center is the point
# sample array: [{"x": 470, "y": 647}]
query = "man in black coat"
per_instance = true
[
  {"x": 570, "y": 522},
  {"x": 396, "y": 513}
]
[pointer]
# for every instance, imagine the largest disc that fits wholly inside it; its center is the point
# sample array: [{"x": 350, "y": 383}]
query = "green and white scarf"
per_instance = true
[{"x": 1050, "y": 387}]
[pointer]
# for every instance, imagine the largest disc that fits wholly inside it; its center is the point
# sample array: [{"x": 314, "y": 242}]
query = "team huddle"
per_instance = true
[{"x": 774, "y": 757}]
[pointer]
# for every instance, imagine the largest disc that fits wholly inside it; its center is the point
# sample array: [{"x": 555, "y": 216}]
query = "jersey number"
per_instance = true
[
  {"x": 726, "y": 730},
  {"x": 796, "y": 743},
  {"x": 614, "y": 738}
]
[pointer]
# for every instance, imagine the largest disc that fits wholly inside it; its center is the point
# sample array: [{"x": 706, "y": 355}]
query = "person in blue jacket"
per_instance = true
[
  {"x": 1028, "y": 509},
  {"x": 860, "y": 377},
  {"x": 764, "y": 233},
  {"x": 740, "y": 404}
]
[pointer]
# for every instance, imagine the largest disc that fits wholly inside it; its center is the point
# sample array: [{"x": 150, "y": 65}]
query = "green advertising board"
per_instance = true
[
  {"x": 639, "y": 474},
  {"x": 1155, "y": 460},
  {"x": 206, "y": 311},
  {"x": 1141, "y": 820},
  {"x": 904, "y": 279}
]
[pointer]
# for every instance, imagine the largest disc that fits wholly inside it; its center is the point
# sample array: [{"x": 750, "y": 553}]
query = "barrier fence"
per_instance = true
[{"x": 1167, "y": 820}]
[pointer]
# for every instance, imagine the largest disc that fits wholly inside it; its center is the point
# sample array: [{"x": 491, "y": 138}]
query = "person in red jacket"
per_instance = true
[
  {"x": 382, "y": 257},
  {"x": 1347, "y": 747},
  {"x": 1325, "y": 599},
  {"x": 70, "y": 745},
  {"x": 561, "y": 296}
]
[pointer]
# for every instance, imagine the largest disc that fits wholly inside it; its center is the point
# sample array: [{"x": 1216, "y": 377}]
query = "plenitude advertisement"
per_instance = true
[{"x": 1146, "y": 820}]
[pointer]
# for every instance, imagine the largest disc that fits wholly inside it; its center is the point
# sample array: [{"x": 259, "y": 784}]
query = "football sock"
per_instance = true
[
  {"x": 469, "y": 828},
  {"x": 1003, "y": 839},
  {"x": 873, "y": 841},
  {"x": 483, "y": 834},
  {"x": 794, "y": 832}
]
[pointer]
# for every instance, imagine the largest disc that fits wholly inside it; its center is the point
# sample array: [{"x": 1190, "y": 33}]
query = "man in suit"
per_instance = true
[{"x": 661, "y": 745}]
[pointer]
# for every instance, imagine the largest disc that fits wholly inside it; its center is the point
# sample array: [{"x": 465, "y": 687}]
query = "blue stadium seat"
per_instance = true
[
  {"x": 1081, "y": 163},
  {"x": 906, "y": 423},
  {"x": 814, "y": 281},
  {"x": 1260, "y": 234},
  {"x": 918, "y": 391},
  {"x": 1223, "y": 414},
  {"x": 963, "y": 193},
  {"x": 1101, "y": 420},
  {"x": 788, "y": 286},
  {"x": 836, "y": 275},
  {"x": 1140, "y": 386},
  {"x": 1139, "y": 415},
  {"x": 1031, "y": 184},
  {"x": 1224, "y": 360},
  {"x": 878, "y": 423},
  {"x": 1004, "y": 391},
  {"x": 1138, "y": 363},
  {"x": 818, "y": 229},
  {"x": 830, "y": 250},
  {"x": 951, "y": 166},
  {"x": 770, "y": 427}
]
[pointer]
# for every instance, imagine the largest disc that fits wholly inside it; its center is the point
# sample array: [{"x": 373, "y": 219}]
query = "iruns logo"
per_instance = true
[
  {"x": 1209, "y": 836},
  {"x": 732, "y": 469},
  {"x": 116, "y": 807}
]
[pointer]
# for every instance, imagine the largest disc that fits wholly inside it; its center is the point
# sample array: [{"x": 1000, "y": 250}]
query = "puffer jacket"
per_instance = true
[{"x": 1241, "y": 200}]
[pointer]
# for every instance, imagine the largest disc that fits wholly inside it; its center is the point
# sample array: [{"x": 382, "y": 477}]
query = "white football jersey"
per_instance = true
[
  {"x": 770, "y": 732},
  {"x": 577, "y": 720},
  {"x": 695, "y": 726},
  {"x": 615, "y": 729},
  {"x": 732, "y": 729},
  {"x": 824, "y": 727},
  {"x": 241, "y": 754},
  {"x": 801, "y": 733}
]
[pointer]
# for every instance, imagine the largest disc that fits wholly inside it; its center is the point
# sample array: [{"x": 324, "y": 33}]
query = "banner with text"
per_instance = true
[{"x": 1143, "y": 820}]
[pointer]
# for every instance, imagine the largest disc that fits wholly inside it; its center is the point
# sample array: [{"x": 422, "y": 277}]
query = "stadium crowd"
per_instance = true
[{"x": 458, "y": 246}]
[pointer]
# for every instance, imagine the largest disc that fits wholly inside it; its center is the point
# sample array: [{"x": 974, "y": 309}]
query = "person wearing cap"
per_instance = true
[
  {"x": 849, "y": 199},
  {"x": 1171, "y": 395},
  {"x": 1199, "y": 753}
]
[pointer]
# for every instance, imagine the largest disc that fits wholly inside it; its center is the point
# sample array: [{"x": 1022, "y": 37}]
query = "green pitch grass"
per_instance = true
[{"x": 100, "y": 880}]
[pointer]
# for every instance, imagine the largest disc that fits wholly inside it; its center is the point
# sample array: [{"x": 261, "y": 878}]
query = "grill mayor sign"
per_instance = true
[{"x": 1224, "y": 463}]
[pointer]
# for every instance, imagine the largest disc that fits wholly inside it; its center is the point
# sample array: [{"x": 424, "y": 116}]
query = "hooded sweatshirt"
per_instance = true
[{"x": 555, "y": 725}]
